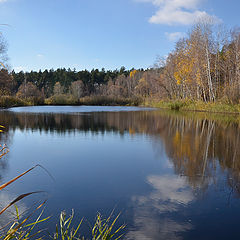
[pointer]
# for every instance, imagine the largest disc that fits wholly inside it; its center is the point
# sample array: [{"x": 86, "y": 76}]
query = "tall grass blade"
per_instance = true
[
  {"x": 16, "y": 178},
  {"x": 18, "y": 199},
  {"x": 22, "y": 174},
  {"x": 103, "y": 229},
  {"x": 13, "y": 229}
]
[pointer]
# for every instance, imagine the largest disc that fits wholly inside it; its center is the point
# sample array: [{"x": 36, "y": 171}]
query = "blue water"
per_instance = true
[{"x": 171, "y": 176}]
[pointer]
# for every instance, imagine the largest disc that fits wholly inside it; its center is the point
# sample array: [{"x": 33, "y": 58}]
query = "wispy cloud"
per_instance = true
[
  {"x": 20, "y": 68},
  {"x": 184, "y": 12},
  {"x": 40, "y": 55},
  {"x": 2, "y": 1},
  {"x": 174, "y": 36}
]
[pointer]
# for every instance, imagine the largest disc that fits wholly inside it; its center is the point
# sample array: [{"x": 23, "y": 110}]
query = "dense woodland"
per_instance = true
[
  {"x": 67, "y": 81},
  {"x": 204, "y": 66}
]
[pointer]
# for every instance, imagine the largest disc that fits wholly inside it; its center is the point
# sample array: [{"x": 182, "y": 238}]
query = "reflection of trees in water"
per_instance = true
[
  {"x": 132, "y": 122},
  {"x": 197, "y": 145},
  {"x": 190, "y": 146}
]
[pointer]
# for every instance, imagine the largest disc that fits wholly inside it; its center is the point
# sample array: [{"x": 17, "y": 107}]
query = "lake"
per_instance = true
[{"x": 171, "y": 175}]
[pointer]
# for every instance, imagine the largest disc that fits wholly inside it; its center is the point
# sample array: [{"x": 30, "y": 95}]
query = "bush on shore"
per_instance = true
[
  {"x": 11, "y": 101},
  {"x": 68, "y": 99},
  {"x": 61, "y": 99},
  {"x": 110, "y": 101}
]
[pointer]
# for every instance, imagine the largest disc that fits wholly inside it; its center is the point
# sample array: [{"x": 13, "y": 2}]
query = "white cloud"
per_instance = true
[
  {"x": 176, "y": 191},
  {"x": 20, "y": 68},
  {"x": 2, "y": 1},
  {"x": 174, "y": 36},
  {"x": 40, "y": 55},
  {"x": 184, "y": 12}
]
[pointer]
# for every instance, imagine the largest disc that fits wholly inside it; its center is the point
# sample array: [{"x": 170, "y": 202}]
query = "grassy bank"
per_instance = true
[
  {"x": 110, "y": 101},
  {"x": 66, "y": 99},
  {"x": 190, "y": 105},
  {"x": 12, "y": 101}
]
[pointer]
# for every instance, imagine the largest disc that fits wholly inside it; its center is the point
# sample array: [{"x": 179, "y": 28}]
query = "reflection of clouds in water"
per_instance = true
[
  {"x": 149, "y": 228},
  {"x": 169, "y": 188},
  {"x": 10, "y": 213},
  {"x": 151, "y": 215},
  {"x": 168, "y": 164}
]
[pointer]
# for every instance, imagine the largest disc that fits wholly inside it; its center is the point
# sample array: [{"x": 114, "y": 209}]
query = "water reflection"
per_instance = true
[
  {"x": 152, "y": 213},
  {"x": 10, "y": 214},
  {"x": 197, "y": 146},
  {"x": 202, "y": 151}
]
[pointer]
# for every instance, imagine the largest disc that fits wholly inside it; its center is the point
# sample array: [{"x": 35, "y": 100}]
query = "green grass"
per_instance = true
[
  {"x": 12, "y": 101},
  {"x": 110, "y": 101},
  {"x": 103, "y": 229},
  {"x": 190, "y": 105},
  {"x": 9, "y": 101},
  {"x": 61, "y": 99},
  {"x": 67, "y": 99},
  {"x": 22, "y": 229},
  {"x": 178, "y": 105}
]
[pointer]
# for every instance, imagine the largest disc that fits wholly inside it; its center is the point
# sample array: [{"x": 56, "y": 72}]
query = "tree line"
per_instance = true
[
  {"x": 204, "y": 65},
  {"x": 117, "y": 83},
  {"x": 64, "y": 81}
]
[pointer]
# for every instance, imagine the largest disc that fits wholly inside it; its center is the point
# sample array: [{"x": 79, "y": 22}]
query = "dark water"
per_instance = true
[{"x": 171, "y": 175}]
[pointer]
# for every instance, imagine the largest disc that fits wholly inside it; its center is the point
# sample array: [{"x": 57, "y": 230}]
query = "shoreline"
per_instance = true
[
  {"x": 174, "y": 105},
  {"x": 194, "y": 106}
]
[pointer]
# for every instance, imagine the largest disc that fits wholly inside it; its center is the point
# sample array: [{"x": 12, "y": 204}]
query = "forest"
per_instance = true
[{"x": 204, "y": 66}]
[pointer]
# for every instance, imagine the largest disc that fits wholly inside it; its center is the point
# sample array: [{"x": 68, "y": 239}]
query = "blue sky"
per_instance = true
[{"x": 86, "y": 34}]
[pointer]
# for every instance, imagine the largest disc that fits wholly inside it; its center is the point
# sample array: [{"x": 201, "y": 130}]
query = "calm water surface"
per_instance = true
[{"x": 172, "y": 176}]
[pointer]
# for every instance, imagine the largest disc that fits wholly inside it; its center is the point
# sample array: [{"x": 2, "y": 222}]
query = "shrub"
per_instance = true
[
  {"x": 177, "y": 105},
  {"x": 9, "y": 101},
  {"x": 110, "y": 101},
  {"x": 61, "y": 99}
]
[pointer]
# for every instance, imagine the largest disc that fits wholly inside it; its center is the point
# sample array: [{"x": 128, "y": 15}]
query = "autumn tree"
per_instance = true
[
  {"x": 77, "y": 89},
  {"x": 58, "y": 89},
  {"x": 28, "y": 90},
  {"x": 193, "y": 68},
  {"x": 229, "y": 67},
  {"x": 6, "y": 80}
]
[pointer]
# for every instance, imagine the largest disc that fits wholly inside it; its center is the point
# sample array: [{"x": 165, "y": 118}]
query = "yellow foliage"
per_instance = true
[
  {"x": 142, "y": 81},
  {"x": 178, "y": 82},
  {"x": 132, "y": 73},
  {"x": 131, "y": 131},
  {"x": 186, "y": 65},
  {"x": 198, "y": 77},
  {"x": 178, "y": 78},
  {"x": 177, "y": 138}
]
